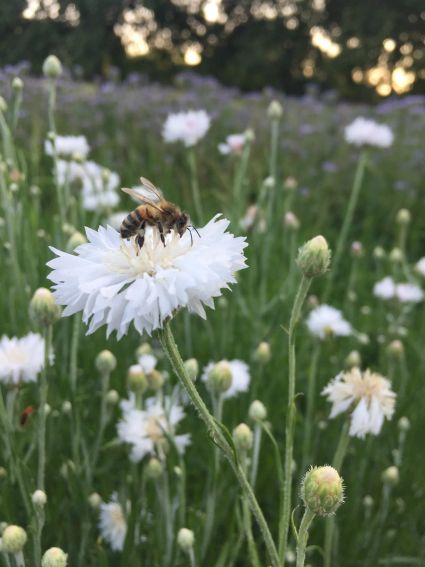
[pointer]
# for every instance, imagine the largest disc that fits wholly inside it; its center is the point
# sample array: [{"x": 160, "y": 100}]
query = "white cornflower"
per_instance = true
[
  {"x": 363, "y": 131},
  {"x": 146, "y": 430},
  {"x": 187, "y": 127},
  {"x": 404, "y": 292},
  {"x": 115, "y": 284},
  {"x": 368, "y": 394},
  {"x": 21, "y": 359},
  {"x": 325, "y": 321},
  {"x": 420, "y": 266},
  {"x": 68, "y": 146},
  {"x": 112, "y": 524},
  {"x": 147, "y": 362},
  {"x": 240, "y": 377},
  {"x": 234, "y": 144}
]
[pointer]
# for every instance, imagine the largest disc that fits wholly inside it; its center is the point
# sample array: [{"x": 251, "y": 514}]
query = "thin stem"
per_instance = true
[
  {"x": 73, "y": 363},
  {"x": 340, "y": 453},
  {"x": 197, "y": 201},
  {"x": 290, "y": 417},
  {"x": 351, "y": 207},
  {"x": 41, "y": 430},
  {"x": 102, "y": 424},
  {"x": 274, "y": 141},
  {"x": 170, "y": 348},
  {"x": 39, "y": 519},
  {"x": 311, "y": 393},
  {"x": 255, "y": 453},
  {"x": 239, "y": 180},
  {"x": 303, "y": 536}
]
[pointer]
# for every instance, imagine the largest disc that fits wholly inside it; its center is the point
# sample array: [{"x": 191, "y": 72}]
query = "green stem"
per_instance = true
[
  {"x": 170, "y": 348},
  {"x": 303, "y": 536},
  {"x": 195, "y": 185},
  {"x": 351, "y": 207},
  {"x": 239, "y": 180},
  {"x": 39, "y": 519},
  {"x": 340, "y": 453},
  {"x": 255, "y": 453},
  {"x": 73, "y": 364},
  {"x": 41, "y": 430},
  {"x": 274, "y": 141},
  {"x": 311, "y": 392},
  {"x": 102, "y": 424},
  {"x": 290, "y": 418}
]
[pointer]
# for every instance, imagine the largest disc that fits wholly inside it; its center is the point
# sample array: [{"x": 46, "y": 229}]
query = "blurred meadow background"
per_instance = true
[{"x": 289, "y": 77}]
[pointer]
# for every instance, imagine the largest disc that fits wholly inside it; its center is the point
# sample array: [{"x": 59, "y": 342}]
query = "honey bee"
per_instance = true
[{"x": 156, "y": 212}]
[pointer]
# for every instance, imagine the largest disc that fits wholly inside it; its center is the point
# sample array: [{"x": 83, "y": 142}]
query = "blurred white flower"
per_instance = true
[
  {"x": 146, "y": 430},
  {"x": 326, "y": 321},
  {"x": 68, "y": 146},
  {"x": 115, "y": 284},
  {"x": 187, "y": 127},
  {"x": 21, "y": 359},
  {"x": 115, "y": 220},
  {"x": 420, "y": 266},
  {"x": 250, "y": 217},
  {"x": 234, "y": 144},
  {"x": 147, "y": 362},
  {"x": 240, "y": 377},
  {"x": 368, "y": 393},
  {"x": 363, "y": 131},
  {"x": 112, "y": 524},
  {"x": 404, "y": 292}
]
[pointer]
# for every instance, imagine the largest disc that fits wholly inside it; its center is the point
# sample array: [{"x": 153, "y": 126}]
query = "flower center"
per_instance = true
[
  {"x": 153, "y": 429},
  {"x": 17, "y": 356}
]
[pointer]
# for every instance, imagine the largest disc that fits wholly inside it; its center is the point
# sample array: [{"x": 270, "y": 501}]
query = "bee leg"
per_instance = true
[
  {"x": 161, "y": 232},
  {"x": 140, "y": 238}
]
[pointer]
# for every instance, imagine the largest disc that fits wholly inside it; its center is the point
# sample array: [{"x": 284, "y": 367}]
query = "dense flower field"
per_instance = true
[{"x": 169, "y": 382}]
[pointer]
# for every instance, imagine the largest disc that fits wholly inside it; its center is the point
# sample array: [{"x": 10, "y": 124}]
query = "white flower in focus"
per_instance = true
[
  {"x": 325, "y": 321},
  {"x": 68, "y": 146},
  {"x": 21, "y": 359},
  {"x": 147, "y": 362},
  {"x": 368, "y": 393},
  {"x": 187, "y": 127},
  {"x": 112, "y": 524},
  {"x": 240, "y": 377},
  {"x": 234, "y": 144},
  {"x": 146, "y": 430},
  {"x": 404, "y": 292},
  {"x": 114, "y": 284},
  {"x": 420, "y": 266},
  {"x": 363, "y": 131}
]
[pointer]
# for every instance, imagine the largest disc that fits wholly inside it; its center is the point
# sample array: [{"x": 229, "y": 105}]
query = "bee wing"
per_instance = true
[
  {"x": 136, "y": 195},
  {"x": 151, "y": 187}
]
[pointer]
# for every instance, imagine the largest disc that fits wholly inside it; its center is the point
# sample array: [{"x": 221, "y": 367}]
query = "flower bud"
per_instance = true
[
  {"x": 54, "y": 557},
  {"x": 95, "y": 500},
  {"x": 185, "y": 539},
  {"x": 66, "y": 407},
  {"x": 112, "y": 397},
  {"x": 290, "y": 184},
  {"x": 357, "y": 249},
  {"x": 39, "y": 498},
  {"x": 144, "y": 348},
  {"x": 242, "y": 436},
  {"x": 249, "y": 135},
  {"x": 391, "y": 476},
  {"x": 262, "y": 353},
  {"x": 257, "y": 411},
  {"x": 14, "y": 538},
  {"x": 403, "y": 424},
  {"x": 192, "y": 368},
  {"x": 275, "y": 110},
  {"x": 368, "y": 502},
  {"x": 3, "y": 104},
  {"x": 403, "y": 217},
  {"x": 322, "y": 490},
  {"x": 17, "y": 84},
  {"x": 269, "y": 182},
  {"x": 155, "y": 380},
  {"x": 154, "y": 468},
  {"x": 395, "y": 348},
  {"x": 105, "y": 362},
  {"x": 314, "y": 257},
  {"x": 75, "y": 240},
  {"x": 291, "y": 221},
  {"x": 44, "y": 311},
  {"x": 3, "y": 473},
  {"x": 137, "y": 381},
  {"x": 396, "y": 256},
  {"x": 220, "y": 377},
  {"x": 378, "y": 253},
  {"x": 353, "y": 359},
  {"x": 52, "y": 67}
]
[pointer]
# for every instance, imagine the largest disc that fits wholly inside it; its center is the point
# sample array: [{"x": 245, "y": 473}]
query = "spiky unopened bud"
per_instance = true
[
  {"x": 391, "y": 476},
  {"x": 105, "y": 362},
  {"x": 192, "y": 368},
  {"x": 242, "y": 436},
  {"x": 154, "y": 468},
  {"x": 403, "y": 217},
  {"x": 185, "y": 539},
  {"x": 220, "y": 377},
  {"x": 257, "y": 411},
  {"x": 54, "y": 557},
  {"x": 275, "y": 110},
  {"x": 14, "y": 539},
  {"x": 39, "y": 498},
  {"x": 44, "y": 310},
  {"x": 322, "y": 490},
  {"x": 314, "y": 257},
  {"x": 52, "y": 67},
  {"x": 137, "y": 381}
]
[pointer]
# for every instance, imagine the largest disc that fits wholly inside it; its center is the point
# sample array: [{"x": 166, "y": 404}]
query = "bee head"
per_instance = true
[{"x": 181, "y": 223}]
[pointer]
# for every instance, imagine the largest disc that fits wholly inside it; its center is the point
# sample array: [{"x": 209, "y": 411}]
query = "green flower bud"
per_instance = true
[
  {"x": 396, "y": 256},
  {"x": 144, "y": 348},
  {"x": 154, "y": 468},
  {"x": 39, "y": 498},
  {"x": 257, "y": 411},
  {"x": 112, "y": 397},
  {"x": 192, "y": 368},
  {"x": 314, "y": 257},
  {"x": 242, "y": 436},
  {"x": 353, "y": 359},
  {"x": 403, "y": 217},
  {"x": 263, "y": 353},
  {"x": 95, "y": 500},
  {"x": 155, "y": 380},
  {"x": 249, "y": 135},
  {"x": 43, "y": 310},
  {"x": 66, "y": 407},
  {"x": 291, "y": 221},
  {"x": 275, "y": 110},
  {"x": 3, "y": 473},
  {"x": 220, "y": 377},
  {"x": 378, "y": 253},
  {"x": 395, "y": 348},
  {"x": 17, "y": 84},
  {"x": 368, "y": 502},
  {"x": 105, "y": 362},
  {"x": 391, "y": 476},
  {"x": 322, "y": 490},
  {"x": 403, "y": 424},
  {"x": 75, "y": 240},
  {"x": 54, "y": 557},
  {"x": 52, "y": 67},
  {"x": 137, "y": 381},
  {"x": 185, "y": 539},
  {"x": 3, "y": 104},
  {"x": 14, "y": 538}
]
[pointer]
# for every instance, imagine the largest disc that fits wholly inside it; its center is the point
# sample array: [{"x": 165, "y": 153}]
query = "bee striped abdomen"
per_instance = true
[{"x": 131, "y": 223}]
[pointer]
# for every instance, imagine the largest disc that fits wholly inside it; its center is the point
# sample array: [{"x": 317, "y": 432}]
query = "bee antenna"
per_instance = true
[
  {"x": 196, "y": 230},
  {"x": 191, "y": 237}
]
